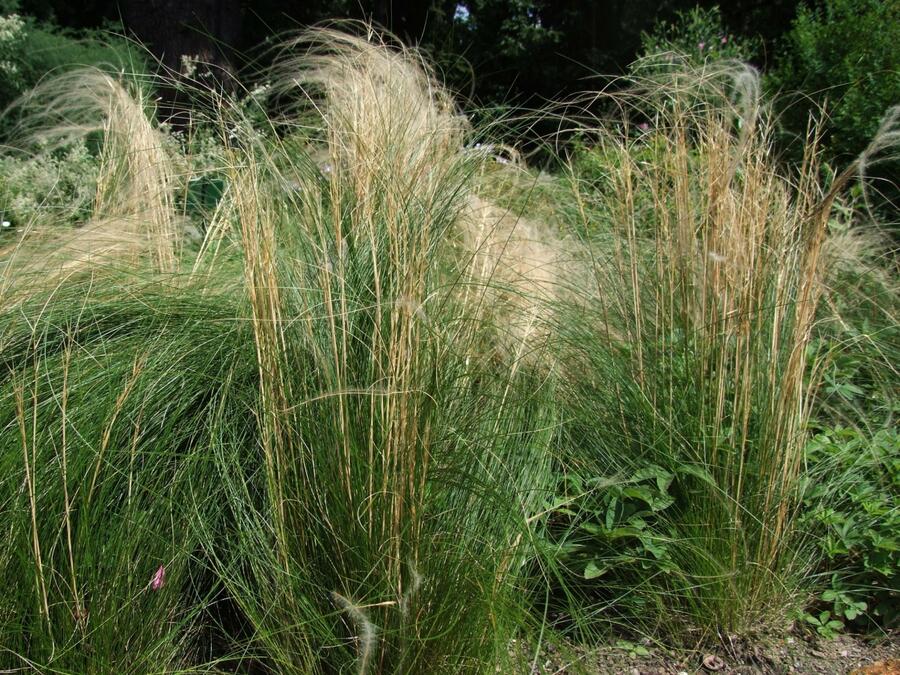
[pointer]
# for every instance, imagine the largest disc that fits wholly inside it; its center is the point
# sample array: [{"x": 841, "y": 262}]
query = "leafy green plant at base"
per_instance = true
[
  {"x": 633, "y": 650},
  {"x": 824, "y": 624},
  {"x": 613, "y": 525},
  {"x": 850, "y": 512},
  {"x": 844, "y": 604}
]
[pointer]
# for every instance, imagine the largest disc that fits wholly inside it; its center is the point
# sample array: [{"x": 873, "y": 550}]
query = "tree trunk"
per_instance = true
[{"x": 191, "y": 38}]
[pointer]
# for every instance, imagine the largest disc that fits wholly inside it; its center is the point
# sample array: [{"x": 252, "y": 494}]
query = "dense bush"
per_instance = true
[
  {"x": 698, "y": 34},
  {"x": 48, "y": 187},
  {"x": 12, "y": 38},
  {"x": 31, "y": 51},
  {"x": 843, "y": 56}
]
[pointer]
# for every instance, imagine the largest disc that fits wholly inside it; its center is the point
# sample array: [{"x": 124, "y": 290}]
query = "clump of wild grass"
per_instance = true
[
  {"x": 106, "y": 404},
  {"x": 386, "y": 436},
  {"x": 343, "y": 469},
  {"x": 689, "y": 350}
]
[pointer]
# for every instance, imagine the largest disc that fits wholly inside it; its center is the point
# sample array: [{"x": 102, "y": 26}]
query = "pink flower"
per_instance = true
[
  {"x": 701, "y": 46},
  {"x": 724, "y": 39},
  {"x": 159, "y": 578},
  {"x": 643, "y": 126}
]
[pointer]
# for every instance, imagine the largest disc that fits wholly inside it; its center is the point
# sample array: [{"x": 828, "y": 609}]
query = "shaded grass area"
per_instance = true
[{"x": 107, "y": 404}]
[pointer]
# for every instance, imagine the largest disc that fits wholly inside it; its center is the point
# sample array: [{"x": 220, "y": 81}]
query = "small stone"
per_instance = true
[{"x": 712, "y": 662}]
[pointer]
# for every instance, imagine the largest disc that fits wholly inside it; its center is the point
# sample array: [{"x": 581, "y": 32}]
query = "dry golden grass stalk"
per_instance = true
[{"x": 393, "y": 137}]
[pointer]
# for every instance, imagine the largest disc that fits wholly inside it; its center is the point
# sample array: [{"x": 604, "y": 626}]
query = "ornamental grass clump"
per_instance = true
[
  {"x": 374, "y": 419},
  {"x": 388, "y": 437},
  {"x": 688, "y": 380},
  {"x": 292, "y": 449}
]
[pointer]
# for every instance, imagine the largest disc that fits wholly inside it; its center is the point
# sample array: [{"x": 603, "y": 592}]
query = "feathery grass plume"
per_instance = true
[
  {"x": 883, "y": 148},
  {"x": 133, "y": 216},
  {"x": 368, "y": 89},
  {"x": 707, "y": 275},
  {"x": 344, "y": 79},
  {"x": 518, "y": 268},
  {"x": 367, "y": 633}
]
